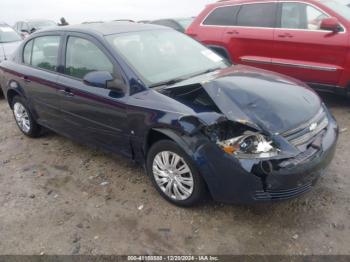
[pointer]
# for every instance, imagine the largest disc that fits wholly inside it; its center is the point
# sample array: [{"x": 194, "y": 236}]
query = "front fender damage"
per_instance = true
[{"x": 211, "y": 127}]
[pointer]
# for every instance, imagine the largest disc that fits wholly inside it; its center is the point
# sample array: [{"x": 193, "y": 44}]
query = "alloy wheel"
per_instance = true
[{"x": 22, "y": 117}]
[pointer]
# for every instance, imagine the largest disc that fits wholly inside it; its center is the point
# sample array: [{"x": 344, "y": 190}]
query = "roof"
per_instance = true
[
  {"x": 106, "y": 28},
  {"x": 232, "y": 2}
]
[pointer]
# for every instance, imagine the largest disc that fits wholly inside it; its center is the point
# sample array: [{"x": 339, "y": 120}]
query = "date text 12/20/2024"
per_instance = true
[{"x": 173, "y": 258}]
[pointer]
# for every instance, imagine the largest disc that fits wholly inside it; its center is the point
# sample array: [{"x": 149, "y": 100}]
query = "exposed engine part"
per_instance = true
[{"x": 225, "y": 131}]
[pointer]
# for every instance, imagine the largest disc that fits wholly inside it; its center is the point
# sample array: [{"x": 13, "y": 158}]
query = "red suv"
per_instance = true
[{"x": 305, "y": 39}]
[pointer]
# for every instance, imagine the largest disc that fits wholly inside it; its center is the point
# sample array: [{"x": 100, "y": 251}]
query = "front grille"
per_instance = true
[
  {"x": 301, "y": 158},
  {"x": 282, "y": 194},
  {"x": 305, "y": 133}
]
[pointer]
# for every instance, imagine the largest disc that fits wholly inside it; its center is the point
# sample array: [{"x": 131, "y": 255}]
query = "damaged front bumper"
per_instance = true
[{"x": 233, "y": 180}]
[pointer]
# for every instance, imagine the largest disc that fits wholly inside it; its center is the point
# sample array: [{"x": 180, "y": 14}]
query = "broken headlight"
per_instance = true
[{"x": 249, "y": 145}]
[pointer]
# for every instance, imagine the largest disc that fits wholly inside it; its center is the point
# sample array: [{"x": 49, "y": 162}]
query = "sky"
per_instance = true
[{"x": 77, "y": 11}]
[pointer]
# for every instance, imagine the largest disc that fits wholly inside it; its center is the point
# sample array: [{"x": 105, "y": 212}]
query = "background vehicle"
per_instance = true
[
  {"x": 345, "y": 2},
  {"x": 179, "y": 24},
  {"x": 9, "y": 41},
  {"x": 28, "y": 27},
  {"x": 163, "y": 99},
  {"x": 305, "y": 39},
  {"x": 124, "y": 20}
]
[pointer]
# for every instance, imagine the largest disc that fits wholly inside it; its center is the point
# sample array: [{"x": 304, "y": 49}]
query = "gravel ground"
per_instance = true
[{"x": 59, "y": 197}]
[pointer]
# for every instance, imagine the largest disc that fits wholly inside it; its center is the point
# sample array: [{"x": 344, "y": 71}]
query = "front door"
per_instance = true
[
  {"x": 303, "y": 50},
  {"x": 92, "y": 114}
]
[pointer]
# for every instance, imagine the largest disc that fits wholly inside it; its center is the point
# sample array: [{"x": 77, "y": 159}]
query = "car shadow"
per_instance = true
[{"x": 334, "y": 100}]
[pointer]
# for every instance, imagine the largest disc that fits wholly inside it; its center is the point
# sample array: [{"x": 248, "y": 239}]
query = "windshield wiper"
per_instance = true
[
  {"x": 180, "y": 79},
  {"x": 169, "y": 82},
  {"x": 207, "y": 71}
]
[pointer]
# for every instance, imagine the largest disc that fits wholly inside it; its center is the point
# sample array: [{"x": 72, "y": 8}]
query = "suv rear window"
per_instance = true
[
  {"x": 222, "y": 16},
  {"x": 257, "y": 15}
]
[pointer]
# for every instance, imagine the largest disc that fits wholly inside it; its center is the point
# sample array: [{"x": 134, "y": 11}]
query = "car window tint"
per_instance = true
[
  {"x": 257, "y": 15},
  {"x": 83, "y": 57},
  {"x": 301, "y": 16},
  {"x": 222, "y": 16},
  {"x": 45, "y": 52},
  {"x": 27, "y": 52}
]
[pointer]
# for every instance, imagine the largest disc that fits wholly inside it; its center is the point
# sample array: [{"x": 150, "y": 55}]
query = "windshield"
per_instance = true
[
  {"x": 41, "y": 24},
  {"x": 342, "y": 7},
  {"x": 164, "y": 55},
  {"x": 185, "y": 23},
  {"x": 7, "y": 35}
]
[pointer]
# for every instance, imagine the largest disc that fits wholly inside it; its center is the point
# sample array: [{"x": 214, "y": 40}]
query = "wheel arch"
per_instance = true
[
  {"x": 11, "y": 93},
  {"x": 156, "y": 134}
]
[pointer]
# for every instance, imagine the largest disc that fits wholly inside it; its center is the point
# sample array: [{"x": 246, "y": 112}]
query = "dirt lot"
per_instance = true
[{"x": 58, "y": 197}]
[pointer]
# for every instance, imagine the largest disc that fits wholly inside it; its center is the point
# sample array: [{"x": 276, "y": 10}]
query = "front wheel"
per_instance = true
[
  {"x": 24, "y": 118},
  {"x": 174, "y": 175}
]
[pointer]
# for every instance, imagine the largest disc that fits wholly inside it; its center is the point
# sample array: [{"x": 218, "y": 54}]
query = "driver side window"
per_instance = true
[
  {"x": 301, "y": 16},
  {"x": 83, "y": 57}
]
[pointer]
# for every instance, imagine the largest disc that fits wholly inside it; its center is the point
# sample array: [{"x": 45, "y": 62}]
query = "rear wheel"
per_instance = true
[
  {"x": 24, "y": 118},
  {"x": 174, "y": 175}
]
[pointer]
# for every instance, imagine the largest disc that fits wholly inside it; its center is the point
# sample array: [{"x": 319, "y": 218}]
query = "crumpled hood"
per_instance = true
[
  {"x": 261, "y": 99},
  {"x": 274, "y": 102},
  {"x": 9, "y": 49}
]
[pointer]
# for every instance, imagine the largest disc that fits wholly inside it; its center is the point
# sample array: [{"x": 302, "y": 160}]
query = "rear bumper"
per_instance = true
[{"x": 232, "y": 181}]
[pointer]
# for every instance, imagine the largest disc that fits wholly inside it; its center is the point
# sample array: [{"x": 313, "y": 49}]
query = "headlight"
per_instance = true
[{"x": 249, "y": 145}]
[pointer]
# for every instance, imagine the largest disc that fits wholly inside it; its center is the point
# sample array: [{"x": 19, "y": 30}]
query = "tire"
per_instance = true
[
  {"x": 180, "y": 192},
  {"x": 24, "y": 118}
]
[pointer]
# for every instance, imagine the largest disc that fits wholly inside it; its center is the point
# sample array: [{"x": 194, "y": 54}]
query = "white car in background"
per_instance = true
[{"x": 9, "y": 41}]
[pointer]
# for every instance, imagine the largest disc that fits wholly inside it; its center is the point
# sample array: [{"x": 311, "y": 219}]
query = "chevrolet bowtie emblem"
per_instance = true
[{"x": 313, "y": 126}]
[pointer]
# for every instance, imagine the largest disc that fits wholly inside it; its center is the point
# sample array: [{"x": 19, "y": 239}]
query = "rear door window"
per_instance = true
[
  {"x": 257, "y": 15},
  {"x": 44, "y": 52},
  {"x": 224, "y": 16}
]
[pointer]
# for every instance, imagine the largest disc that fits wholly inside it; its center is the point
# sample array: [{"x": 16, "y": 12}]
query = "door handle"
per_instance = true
[
  {"x": 66, "y": 92},
  {"x": 26, "y": 79},
  {"x": 234, "y": 32},
  {"x": 285, "y": 35}
]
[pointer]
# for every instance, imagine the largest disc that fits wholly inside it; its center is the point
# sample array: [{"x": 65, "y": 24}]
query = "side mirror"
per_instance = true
[
  {"x": 24, "y": 31},
  {"x": 330, "y": 24},
  {"x": 103, "y": 79}
]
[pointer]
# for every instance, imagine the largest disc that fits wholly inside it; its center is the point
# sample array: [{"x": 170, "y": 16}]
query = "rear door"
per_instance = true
[
  {"x": 40, "y": 64},
  {"x": 91, "y": 114},
  {"x": 304, "y": 51},
  {"x": 211, "y": 30},
  {"x": 250, "y": 40}
]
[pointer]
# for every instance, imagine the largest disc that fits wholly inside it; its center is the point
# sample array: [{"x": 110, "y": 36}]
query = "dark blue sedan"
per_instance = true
[{"x": 198, "y": 125}]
